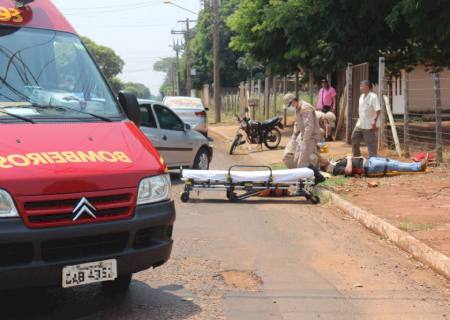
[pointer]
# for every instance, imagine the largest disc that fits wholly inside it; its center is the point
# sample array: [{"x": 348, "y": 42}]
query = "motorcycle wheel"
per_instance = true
[
  {"x": 236, "y": 142},
  {"x": 272, "y": 139}
]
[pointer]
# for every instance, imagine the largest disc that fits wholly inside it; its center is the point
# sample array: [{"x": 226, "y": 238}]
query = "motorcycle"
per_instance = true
[{"x": 255, "y": 132}]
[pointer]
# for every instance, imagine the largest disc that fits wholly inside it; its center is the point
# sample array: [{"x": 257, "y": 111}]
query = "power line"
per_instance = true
[
  {"x": 127, "y": 8},
  {"x": 110, "y": 6}
]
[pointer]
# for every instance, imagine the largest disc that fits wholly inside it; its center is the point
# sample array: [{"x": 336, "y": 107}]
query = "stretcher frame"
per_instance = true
[{"x": 237, "y": 191}]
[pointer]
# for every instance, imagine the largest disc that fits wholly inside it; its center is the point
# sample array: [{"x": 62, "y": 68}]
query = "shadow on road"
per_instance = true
[
  {"x": 140, "y": 302},
  {"x": 251, "y": 202}
]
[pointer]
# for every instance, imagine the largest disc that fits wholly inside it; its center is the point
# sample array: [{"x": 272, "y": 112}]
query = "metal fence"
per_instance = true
[{"x": 418, "y": 115}]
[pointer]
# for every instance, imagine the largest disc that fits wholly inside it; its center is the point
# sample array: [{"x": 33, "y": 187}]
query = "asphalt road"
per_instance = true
[{"x": 260, "y": 259}]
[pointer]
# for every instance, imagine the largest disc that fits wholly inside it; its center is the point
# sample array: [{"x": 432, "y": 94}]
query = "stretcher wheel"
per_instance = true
[
  {"x": 185, "y": 197},
  {"x": 232, "y": 196},
  {"x": 314, "y": 199}
]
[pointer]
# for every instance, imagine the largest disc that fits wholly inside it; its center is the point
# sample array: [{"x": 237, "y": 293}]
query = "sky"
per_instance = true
[{"x": 137, "y": 30}]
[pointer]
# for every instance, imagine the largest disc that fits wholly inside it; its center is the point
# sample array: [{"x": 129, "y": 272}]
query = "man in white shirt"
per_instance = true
[{"x": 368, "y": 122}]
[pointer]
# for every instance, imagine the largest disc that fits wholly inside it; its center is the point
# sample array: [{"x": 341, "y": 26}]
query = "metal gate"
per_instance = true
[{"x": 355, "y": 74}]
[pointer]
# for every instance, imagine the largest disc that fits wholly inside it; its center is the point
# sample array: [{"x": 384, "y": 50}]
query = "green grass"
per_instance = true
[
  {"x": 410, "y": 226},
  {"x": 335, "y": 181}
]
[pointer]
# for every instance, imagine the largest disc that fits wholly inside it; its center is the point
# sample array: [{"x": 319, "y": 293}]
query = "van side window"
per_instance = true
[
  {"x": 167, "y": 119},
  {"x": 147, "y": 117}
]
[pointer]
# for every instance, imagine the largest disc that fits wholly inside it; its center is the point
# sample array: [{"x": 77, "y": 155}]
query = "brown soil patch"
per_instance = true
[
  {"x": 418, "y": 204},
  {"x": 246, "y": 280}
]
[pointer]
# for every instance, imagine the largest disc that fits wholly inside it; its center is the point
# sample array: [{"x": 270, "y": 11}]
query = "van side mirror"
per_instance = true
[
  {"x": 130, "y": 105},
  {"x": 187, "y": 127}
]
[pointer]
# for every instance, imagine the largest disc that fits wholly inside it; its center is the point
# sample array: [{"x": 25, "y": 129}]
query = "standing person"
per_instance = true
[
  {"x": 368, "y": 122},
  {"x": 306, "y": 134},
  {"x": 326, "y": 102}
]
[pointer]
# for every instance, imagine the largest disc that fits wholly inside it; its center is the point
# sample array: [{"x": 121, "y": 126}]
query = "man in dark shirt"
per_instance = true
[{"x": 373, "y": 167}]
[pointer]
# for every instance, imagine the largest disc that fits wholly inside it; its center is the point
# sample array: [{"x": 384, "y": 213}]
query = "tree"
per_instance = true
[
  {"x": 323, "y": 35},
  {"x": 167, "y": 66},
  {"x": 425, "y": 26},
  {"x": 257, "y": 34},
  {"x": 138, "y": 89},
  {"x": 109, "y": 62},
  {"x": 202, "y": 47}
]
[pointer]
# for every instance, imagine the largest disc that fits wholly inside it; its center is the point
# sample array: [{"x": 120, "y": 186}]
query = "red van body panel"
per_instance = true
[
  {"x": 41, "y": 14},
  {"x": 75, "y": 186},
  {"x": 45, "y": 159}
]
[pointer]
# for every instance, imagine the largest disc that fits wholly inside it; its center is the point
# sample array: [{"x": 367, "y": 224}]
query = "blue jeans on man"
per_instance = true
[{"x": 376, "y": 165}]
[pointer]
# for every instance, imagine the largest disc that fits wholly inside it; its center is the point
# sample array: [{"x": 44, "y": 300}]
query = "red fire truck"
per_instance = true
[{"x": 84, "y": 196}]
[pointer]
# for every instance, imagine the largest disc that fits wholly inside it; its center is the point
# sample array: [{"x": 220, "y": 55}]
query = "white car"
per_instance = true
[
  {"x": 191, "y": 111},
  {"x": 178, "y": 144}
]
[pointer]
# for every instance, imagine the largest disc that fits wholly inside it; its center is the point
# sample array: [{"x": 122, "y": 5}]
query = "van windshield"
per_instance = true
[{"x": 47, "y": 75}]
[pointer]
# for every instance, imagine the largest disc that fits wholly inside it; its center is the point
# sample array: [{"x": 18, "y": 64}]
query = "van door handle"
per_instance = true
[{"x": 164, "y": 138}]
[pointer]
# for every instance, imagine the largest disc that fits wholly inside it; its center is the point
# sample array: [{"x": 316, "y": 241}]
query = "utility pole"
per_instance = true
[
  {"x": 187, "y": 51},
  {"x": 177, "y": 48},
  {"x": 216, "y": 51}
]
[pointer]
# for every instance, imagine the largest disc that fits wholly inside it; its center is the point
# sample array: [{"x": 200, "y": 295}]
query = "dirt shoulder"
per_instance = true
[{"x": 417, "y": 204}]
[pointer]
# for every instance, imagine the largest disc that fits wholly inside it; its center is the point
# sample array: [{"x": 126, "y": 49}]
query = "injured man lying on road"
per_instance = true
[{"x": 372, "y": 167}]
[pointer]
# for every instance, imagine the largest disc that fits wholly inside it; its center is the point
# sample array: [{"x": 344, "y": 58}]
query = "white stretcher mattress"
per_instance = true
[{"x": 221, "y": 176}]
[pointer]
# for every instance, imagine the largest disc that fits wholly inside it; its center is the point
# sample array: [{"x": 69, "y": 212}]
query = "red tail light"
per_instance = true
[{"x": 201, "y": 114}]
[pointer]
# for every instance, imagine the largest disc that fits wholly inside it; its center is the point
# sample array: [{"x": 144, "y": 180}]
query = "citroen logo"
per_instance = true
[{"x": 84, "y": 207}]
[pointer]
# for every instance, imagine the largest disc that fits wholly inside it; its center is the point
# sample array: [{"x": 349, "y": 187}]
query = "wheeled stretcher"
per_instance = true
[{"x": 240, "y": 185}]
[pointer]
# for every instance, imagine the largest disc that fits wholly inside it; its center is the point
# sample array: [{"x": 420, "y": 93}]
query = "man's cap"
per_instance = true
[
  {"x": 287, "y": 99},
  {"x": 324, "y": 81}
]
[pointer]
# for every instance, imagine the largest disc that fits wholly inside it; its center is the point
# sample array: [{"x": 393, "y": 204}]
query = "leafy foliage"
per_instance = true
[
  {"x": 201, "y": 45},
  {"x": 109, "y": 62},
  {"x": 323, "y": 35},
  {"x": 111, "y": 65}
]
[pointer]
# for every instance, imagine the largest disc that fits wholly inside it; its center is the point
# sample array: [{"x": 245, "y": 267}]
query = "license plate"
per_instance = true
[{"x": 86, "y": 273}]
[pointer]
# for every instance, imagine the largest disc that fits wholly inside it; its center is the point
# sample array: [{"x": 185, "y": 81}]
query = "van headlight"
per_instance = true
[
  {"x": 154, "y": 189},
  {"x": 7, "y": 207}
]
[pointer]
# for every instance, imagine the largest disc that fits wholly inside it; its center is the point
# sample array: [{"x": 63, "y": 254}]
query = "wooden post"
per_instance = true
[
  {"x": 311, "y": 85},
  {"x": 205, "y": 95},
  {"x": 393, "y": 127},
  {"x": 247, "y": 93},
  {"x": 438, "y": 112},
  {"x": 274, "y": 89},
  {"x": 381, "y": 92},
  {"x": 406, "y": 146},
  {"x": 267, "y": 94},
  {"x": 296, "y": 85},
  {"x": 349, "y": 110}
]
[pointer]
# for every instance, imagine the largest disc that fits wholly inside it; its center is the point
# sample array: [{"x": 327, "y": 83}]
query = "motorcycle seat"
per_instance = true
[{"x": 271, "y": 121}]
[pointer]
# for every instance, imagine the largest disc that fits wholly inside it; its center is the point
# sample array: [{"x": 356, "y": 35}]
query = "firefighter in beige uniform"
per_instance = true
[{"x": 302, "y": 147}]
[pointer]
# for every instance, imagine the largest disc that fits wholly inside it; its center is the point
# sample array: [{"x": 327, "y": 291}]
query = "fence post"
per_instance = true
[
  {"x": 275, "y": 89},
  {"x": 381, "y": 92},
  {"x": 247, "y": 93},
  {"x": 267, "y": 94},
  {"x": 311, "y": 84},
  {"x": 241, "y": 97},
  {"x": 438, "y": 112},
  {"x": 205, "y": 95},
  {"x": 349, "y": 111},
  {"x": 406, "y": 145}
]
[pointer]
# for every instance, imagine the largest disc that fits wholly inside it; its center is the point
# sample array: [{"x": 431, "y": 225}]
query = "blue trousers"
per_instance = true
[{"x": 377, "y": 165}]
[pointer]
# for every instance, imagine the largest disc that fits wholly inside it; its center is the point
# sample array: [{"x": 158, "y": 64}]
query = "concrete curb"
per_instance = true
[{"x": 420, "y": 251}]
